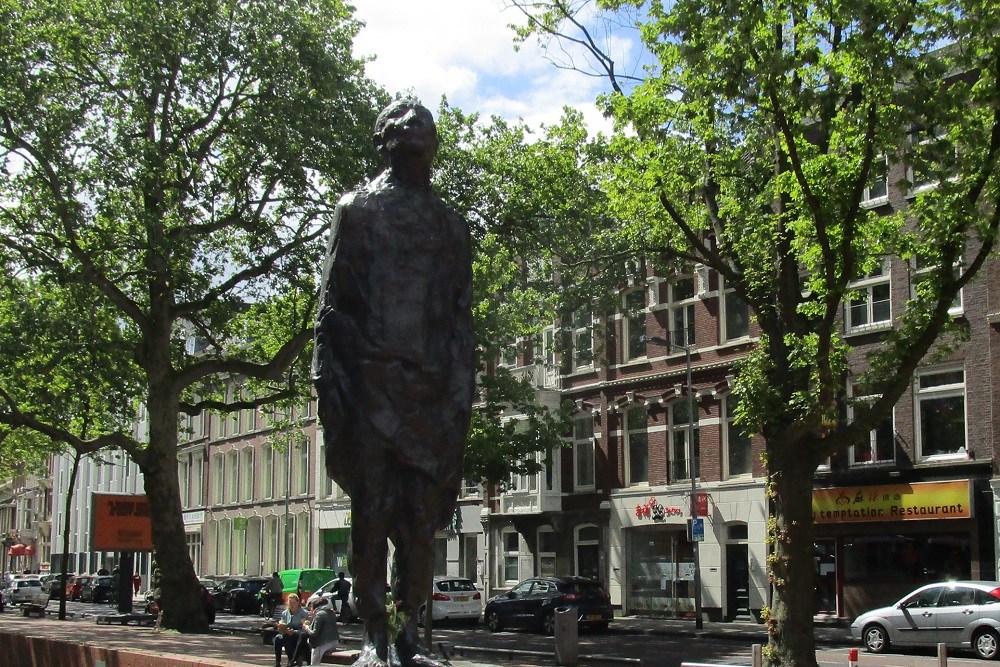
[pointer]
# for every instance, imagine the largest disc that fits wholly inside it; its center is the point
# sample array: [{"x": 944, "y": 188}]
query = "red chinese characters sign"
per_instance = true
[{"x": 655, "y": 511}]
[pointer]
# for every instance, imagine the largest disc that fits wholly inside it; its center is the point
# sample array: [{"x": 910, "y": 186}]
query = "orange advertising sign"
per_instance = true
[
  {"x": 892, "y": 502},
  {"x": 120, "y": 523}
]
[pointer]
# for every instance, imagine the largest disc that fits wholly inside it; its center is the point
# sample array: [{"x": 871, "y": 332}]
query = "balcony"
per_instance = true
[
  {"x": 544, "y": 380},
  {"x": 530, "y": 502}
]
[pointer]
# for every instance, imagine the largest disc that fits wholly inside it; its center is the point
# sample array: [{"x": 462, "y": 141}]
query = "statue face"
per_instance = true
[{"x": 406, "y": 128}]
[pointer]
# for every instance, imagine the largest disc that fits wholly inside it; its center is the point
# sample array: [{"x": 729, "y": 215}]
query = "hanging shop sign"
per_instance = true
[
  {"x": 120, "y": 523},
  {"x": 893, "y": 502}
]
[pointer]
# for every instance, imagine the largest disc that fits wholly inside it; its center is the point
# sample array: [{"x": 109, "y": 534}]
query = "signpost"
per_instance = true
[
  {"x": 122, "y": 523},
  {"x": 696, "y": 528}
]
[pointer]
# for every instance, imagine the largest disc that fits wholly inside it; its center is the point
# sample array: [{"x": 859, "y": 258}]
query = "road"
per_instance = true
[{"x": 606, "y": 648}]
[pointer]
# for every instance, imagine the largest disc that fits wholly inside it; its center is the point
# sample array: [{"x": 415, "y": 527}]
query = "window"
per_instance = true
[
  {"x": 737, "y": 443},
  {"x": 587, "y": 542},
  {"x": 735, "y": 316},
  {"x": 197, "y": 471},
  {"x": 303, "y": 468},
  {"x": 930, "y": 160},
  {"x": 326, "y": 482},
  {"x": 183, "y": 472},
  {"x": 941, "y": 411},
  {"x": 583, "y": 339},
  {"x": 634, "y": 324},
  {"x": 548, "y": 357},
  {"x": 511, "y": 555},
  {"x": 681, "y": 294},
  {"x": 583, "y": 452},
  {"x": 218, "y": 477},
  {"x": 924, "y": 270},
  {"x": 679, "y": 420},
  {"x": 870, "y": 304},
  {"x": 246, "y": 474},
  {"x": 880, "y": 446},
  {"x": 508, "y": 356},
  {"x": 232, "y": 476},
  {"x": 282, "y": 469},
  {"x": 546, "y": 552},
  {"x": 877, "y": 190},
  {"x": 267, "y": 472},
  {"x": 636, "y": 446}
]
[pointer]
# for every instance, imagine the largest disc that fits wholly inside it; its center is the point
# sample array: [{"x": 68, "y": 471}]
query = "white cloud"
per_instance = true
[{"x": 463, "y": 49}]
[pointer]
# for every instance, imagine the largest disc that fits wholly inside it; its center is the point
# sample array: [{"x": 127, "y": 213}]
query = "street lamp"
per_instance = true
[{"x": 694, "y": 466}]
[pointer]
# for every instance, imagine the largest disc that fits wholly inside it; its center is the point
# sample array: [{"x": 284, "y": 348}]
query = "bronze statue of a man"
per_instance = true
[{"x": 394, "y": 368}]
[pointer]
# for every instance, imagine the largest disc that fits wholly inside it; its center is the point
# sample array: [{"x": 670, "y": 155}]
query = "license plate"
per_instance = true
[
  {"x": 461, "y": 598},
  {"x": 594, "y": 617}
]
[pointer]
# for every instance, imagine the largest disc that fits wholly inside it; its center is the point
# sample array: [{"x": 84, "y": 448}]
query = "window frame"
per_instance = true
[
  {"x": 728, "y": 409},
  {"x": 579, "y": 542},
  {"x": 547, "y": 555},
  {"x": 873, "y": 435},
  {"x": 726, "y": 294},
  {"x": 634, "y": 321},
  {"x": 866, "y": 285},
  {"x": 673, "y": 429},
  {"x": 630, "y": 434},
  {"x": 580, "y": 331},
  {"x": 589, "y": 443},
  {"x": 939, "y": 392},
  {"x": 869, "y": 200},
  {"x": 685, "y": 308},
  {"x": 506, "y": 554}
]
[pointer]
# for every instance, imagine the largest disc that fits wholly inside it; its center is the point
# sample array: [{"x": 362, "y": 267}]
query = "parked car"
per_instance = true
[
  {"x": 220, "y": 592},
  {"x": 75, "y": 585},
  {"x": 244, "y": 599},
  {"x": 98, "y": 589},
  {"x": 961, "y": 614},
  {"x": 326, "y": 591},
  {"x": 532, "y": 603},
  {"x": 56, "y": 583},
  {"x": 21, "y": 591},
  {"x": 454, "y": 598}
]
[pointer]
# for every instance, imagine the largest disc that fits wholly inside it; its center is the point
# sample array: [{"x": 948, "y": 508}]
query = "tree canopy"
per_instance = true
[
  {"x": 166, "y": 176},
  {"x": 750, "y": 145}
]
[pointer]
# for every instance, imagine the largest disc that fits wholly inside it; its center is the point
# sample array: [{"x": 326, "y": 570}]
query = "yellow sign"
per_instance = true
[{"x": 892, "y": 502}]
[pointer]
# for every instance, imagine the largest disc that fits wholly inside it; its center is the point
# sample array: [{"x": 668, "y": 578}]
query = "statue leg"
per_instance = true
[
  {"x": 370, "y": 525},
  {"x": 414, "y": 540}
]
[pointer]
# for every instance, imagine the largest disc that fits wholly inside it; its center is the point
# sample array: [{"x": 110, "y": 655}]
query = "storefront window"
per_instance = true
[
  {"x": 909, "y": 558},
  {"x": 661, "y": 571}
]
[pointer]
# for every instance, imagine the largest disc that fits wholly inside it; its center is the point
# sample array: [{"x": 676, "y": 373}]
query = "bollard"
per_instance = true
[
  {"x": 942, "y": 655},
  {"x": 757, "y": 655},
  {"x": 852, "y": 658},
  {"x": 566, "y": 635}
]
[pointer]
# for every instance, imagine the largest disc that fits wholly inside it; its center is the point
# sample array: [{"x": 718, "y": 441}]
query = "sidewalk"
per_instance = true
[
  {"x": 49, "y": 642},
  {"x": 750, "y": 631}
]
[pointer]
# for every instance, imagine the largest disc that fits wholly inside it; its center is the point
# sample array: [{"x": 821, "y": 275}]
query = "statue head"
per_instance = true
[{"x": 406, "y": 128}]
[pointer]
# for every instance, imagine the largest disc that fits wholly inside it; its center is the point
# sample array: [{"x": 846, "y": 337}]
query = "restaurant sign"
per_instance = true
[{"x": 892, "y": 502}]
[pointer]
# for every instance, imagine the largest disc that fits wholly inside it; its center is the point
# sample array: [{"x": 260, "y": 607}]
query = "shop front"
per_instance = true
[
  {"x": 659, "y": 560},
  {"x": 876, "y": 543}
]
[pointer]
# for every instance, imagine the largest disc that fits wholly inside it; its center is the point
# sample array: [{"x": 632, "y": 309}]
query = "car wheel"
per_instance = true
[
  {"x": 493, "y": 622},
  {"x": 986, "y": 644},
  {"x": 875, "y": 638},
  {"x": 549, "y": 624}
]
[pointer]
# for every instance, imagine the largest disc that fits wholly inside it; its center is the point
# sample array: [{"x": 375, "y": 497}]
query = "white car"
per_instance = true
[
  {"x": 21, "y": 591},
  {"x": 455, "y": 598},
  {"x": 326, "y": 591}
]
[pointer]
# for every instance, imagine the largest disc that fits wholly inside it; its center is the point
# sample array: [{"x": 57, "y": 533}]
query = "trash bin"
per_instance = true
[{"x": 566, "y": 635}]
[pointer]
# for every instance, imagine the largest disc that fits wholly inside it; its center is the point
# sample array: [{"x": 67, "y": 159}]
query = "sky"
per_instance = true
[{"x": 464, "y": 49}]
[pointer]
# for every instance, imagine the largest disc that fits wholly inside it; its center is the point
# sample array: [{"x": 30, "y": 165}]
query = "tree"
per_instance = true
[
  {"x": 748, "y": 146},
  {"x": 535, "y": 206},
  {"x": 166, "y": 167}
]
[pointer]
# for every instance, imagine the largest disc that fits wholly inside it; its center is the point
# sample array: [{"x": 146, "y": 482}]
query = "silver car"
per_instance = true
[
  {"x": 22, "y": 591},
  {"x": 961, "y": 614}
]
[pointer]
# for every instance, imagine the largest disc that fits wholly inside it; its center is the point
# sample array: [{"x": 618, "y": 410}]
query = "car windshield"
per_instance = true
[
  {"x": 253, "y": 586},
  {"x": 104, "y": 581}
]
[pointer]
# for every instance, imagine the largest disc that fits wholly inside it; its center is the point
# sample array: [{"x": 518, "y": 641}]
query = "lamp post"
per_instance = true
[{"x": 693, "y": 465}]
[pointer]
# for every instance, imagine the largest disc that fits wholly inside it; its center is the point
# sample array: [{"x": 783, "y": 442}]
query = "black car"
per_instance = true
[
  {"x": 56, "y": 584},
  {"x": 245, "y": 599},
  {"x": 221, "y": 591},
  {"x": 532, "y": 603},
  {"x": 98, "y": 589}
]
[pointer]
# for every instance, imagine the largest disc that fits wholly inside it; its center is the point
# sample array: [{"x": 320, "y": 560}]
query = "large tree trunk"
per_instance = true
[
  {"x": 180, "y": 594},
  {"x": 790, "y": 624}
]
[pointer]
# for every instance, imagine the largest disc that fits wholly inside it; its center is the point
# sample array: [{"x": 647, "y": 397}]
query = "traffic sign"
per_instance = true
[{"x": 697, "y": 529}]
